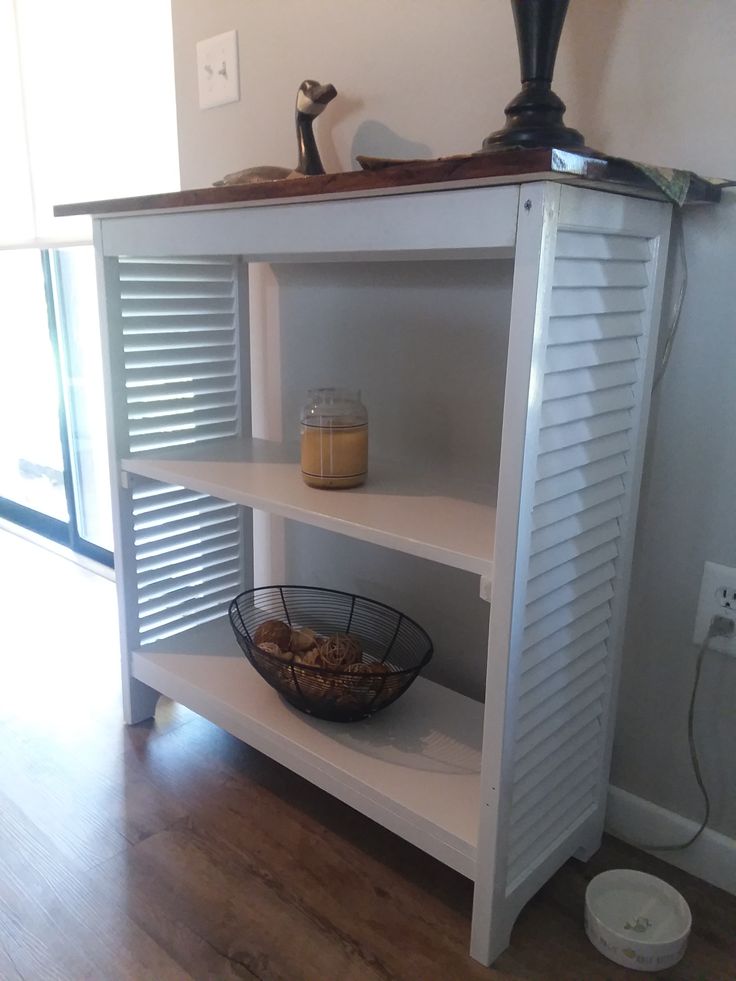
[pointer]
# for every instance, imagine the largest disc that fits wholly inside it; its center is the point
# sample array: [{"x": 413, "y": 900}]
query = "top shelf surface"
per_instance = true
[{"x": 584, "y": 166}]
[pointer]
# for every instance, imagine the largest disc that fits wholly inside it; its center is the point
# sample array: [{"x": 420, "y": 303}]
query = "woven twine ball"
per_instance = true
[{"x": 339, "y": 651}]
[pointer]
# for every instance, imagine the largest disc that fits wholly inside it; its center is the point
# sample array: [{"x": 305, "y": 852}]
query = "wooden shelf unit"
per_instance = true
[{"x": 504, "y": 791}]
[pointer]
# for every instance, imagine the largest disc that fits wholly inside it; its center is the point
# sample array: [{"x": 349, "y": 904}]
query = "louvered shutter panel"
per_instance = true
[
  {"x": 592, "y": 365},
  {"x": 179, "y": 323},
  {"x": 188, "y": 558}
]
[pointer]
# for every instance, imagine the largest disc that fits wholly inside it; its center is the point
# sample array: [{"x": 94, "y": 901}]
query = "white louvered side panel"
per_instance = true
[
  {"x": 189, "y": 558},
  {"x": 179, "y": 323},
  {"x": 590, "y": 384}
]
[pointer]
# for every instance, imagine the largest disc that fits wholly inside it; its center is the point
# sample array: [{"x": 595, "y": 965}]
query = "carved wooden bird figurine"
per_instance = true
[{"x": 311, "y": 100}]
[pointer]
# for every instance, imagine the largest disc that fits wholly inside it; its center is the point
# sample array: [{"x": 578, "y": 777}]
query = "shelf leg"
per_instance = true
[
  {"x": 488, "y": 944},
  {"x": 590, "y": 844},
  {"x": 139, "y": 701}
]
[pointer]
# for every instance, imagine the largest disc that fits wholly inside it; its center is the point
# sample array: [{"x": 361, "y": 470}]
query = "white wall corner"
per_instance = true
[{"x": 633, "y": 819}]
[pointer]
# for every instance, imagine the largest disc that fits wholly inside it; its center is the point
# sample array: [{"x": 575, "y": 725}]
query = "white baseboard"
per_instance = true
[{"x": 712, "y": 857}]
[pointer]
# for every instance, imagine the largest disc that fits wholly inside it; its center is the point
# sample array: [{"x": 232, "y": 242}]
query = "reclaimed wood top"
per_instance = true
[{"x": 581, "y": 166}]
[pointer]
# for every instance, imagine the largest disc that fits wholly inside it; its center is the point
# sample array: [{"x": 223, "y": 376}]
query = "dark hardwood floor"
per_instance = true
[{"x": 172, "y": 851}]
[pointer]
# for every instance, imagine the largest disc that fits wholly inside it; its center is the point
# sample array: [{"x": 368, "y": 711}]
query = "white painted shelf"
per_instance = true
[
  {"x": 419, "y": 514},
  {"x": 197, "y": 353},
  {"x": 414, "y": 767}
]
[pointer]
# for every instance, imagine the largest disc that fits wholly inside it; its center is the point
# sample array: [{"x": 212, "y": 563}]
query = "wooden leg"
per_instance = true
[{"x": 139, "y": 701}]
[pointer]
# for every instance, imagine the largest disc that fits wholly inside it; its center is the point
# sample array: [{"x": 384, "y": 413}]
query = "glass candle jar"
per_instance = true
[{"x": 334, "y": 438}]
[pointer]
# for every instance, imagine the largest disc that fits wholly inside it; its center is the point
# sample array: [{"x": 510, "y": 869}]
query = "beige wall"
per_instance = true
[{"x": 650, "y": 79}]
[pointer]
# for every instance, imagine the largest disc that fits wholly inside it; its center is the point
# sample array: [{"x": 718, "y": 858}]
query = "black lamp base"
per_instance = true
[{"x": 534, "y": 118}]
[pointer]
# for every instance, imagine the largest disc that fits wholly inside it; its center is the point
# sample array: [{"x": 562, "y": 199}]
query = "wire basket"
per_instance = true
[{"x": 382, "y": 650}]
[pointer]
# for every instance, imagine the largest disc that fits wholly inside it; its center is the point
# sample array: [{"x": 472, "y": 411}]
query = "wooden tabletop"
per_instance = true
[{"x": 582, "y": 166}]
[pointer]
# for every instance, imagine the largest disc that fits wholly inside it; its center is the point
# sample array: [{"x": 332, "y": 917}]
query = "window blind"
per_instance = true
[{"x": 87, "y": 110}]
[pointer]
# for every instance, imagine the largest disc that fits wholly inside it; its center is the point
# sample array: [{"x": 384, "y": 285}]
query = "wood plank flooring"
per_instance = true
[{"x": 172, "y": 851}]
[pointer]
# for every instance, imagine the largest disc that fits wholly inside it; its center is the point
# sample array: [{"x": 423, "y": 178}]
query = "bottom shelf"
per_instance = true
[{"x": 414, "y": 768}]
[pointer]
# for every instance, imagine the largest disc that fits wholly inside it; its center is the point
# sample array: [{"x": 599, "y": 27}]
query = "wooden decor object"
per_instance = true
[
  {"x": 311, "y": 101},
  {"x": 534, "y": 116}
]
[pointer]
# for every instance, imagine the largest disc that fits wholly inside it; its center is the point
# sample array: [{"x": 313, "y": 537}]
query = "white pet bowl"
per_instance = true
[{"x": 636, "y": 920}]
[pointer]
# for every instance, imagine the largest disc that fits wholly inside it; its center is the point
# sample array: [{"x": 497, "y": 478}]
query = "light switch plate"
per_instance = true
[{"x": 217, "y": 70}]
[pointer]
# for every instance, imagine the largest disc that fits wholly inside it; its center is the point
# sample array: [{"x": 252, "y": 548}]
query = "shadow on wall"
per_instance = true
[
  {"x": 373, "y": 139},
  {"x": 341, "y": 109},
  {"x": 590, "y": 32}
]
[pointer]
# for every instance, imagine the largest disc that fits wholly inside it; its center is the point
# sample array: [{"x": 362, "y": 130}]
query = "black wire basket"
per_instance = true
[{"x": 353, "y": 656}]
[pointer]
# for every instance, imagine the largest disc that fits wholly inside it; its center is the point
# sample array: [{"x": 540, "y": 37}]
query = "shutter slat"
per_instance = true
[
  {"x": 563, "y": 384},
  {"x": 557, "y": 462},
  {"x": 183, "y": 323},
  {"x": 550, "y": 626},
  {"x": 555, "y": 823},
  {"x": 569, "y": 592},
  {"x": 195, "y": 422},
  {"x": 576, "y": 524},
  {"x": 594, "y": 327},
  {"x": 183, "y": 511},
  {"x": 559, "y": 411},
  {"x": 171, "y": 603},
  {"x": 583, "y": 654},
  {"x": 135, "y": 290},
  {"x": 170, "y": 307},
  {"x": 580, "y": 478},
  {"x": 581, "y": 500},
  {"x": 594, "y": 245},
  {"x": 583, "y": 354},
  {"x": 166, "y": 412},
  {"x": 174, "y": 583},
  {"x": 534, "y": 654},
  {"x": 219, "y": 600},
  {"x": 573, "y": 697},
  {"x": 172, "y": 341},
  {"x": 581, "y": 301},
  {"x": 554, "y": 787},
  {"x": 583, "y": 430},
  {"x": 567, "y": 572},
  {"x": 565, "y": 551},
  {"x": 601, "y": 273}
]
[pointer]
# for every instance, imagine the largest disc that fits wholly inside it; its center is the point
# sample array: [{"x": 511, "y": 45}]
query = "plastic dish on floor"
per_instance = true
[{"x": 636, "y": 920}]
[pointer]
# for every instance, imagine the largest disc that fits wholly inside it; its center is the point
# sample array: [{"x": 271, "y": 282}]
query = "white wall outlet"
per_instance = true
[
  {"x": 217, "y": 70},
  {"x": 717, "y": 598}
]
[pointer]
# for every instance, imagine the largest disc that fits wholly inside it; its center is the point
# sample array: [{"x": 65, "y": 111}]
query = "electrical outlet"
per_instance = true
[
  {"x": 717, "y": 598},
  {"x": 217, "y": 70}
]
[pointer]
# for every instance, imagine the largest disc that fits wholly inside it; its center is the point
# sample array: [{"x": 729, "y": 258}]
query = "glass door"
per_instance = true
[{"x": 53, "y": 461}]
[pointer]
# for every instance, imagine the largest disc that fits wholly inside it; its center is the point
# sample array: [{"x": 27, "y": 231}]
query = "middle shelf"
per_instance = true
[{"x": 434, "y": 516}]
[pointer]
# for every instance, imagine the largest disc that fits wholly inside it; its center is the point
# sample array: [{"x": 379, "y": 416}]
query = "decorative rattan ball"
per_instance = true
[
  {"x": 273, "y": 632},
  {"x": 303, "y": 640},
  {"x": 340, "y": 650}
]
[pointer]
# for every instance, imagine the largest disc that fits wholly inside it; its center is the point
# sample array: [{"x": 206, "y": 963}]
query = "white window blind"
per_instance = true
[{"x": 87, "y": 110}]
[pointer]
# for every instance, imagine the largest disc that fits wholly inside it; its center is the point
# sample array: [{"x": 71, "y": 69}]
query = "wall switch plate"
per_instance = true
[
  {"x": 717, "y": 598},
  {"x": 217, "y": 70}
]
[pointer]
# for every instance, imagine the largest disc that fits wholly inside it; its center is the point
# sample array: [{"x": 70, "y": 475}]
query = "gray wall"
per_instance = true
[{"x": 648, "y": 79}]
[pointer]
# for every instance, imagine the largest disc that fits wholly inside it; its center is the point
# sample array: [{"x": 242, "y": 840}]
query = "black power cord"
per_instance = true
[{"x": 719, "y": 627}]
